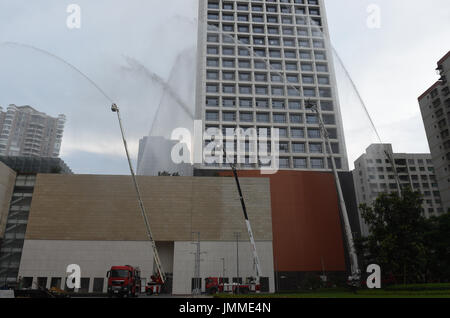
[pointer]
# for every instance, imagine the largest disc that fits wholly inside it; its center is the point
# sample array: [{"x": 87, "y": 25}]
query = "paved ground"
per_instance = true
[{"x": 163, "y": 296}]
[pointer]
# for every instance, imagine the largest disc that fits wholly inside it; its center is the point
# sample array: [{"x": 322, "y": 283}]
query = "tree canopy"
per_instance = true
[{"x": 402, "y": 241}]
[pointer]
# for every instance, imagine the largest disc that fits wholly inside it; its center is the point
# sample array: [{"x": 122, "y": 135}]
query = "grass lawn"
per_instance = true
[{"x": 416, "y": 291}]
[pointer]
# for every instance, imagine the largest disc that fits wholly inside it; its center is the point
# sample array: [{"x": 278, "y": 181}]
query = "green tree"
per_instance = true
[
  {"x": 438, "y": 247},
  {"x": 397, "y": 236}
]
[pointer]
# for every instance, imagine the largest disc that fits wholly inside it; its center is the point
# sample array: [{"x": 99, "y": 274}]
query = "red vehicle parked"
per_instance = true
[
  {"x": 155, "y": 286},
  {"x": 215, "y": 285},
  {"x": 124, "y": 281}
]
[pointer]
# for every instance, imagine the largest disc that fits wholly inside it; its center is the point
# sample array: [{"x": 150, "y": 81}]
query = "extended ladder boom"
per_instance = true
[
  {"x": 247, "y": 222},
  {"x": 348, "y": 232},
  {"x": 159, "y": 268}
]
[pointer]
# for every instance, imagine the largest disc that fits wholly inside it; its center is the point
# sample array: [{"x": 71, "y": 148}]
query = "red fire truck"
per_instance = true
[
  {"x": 215, "y": 285},
  {"x": 124, "y": 281}
]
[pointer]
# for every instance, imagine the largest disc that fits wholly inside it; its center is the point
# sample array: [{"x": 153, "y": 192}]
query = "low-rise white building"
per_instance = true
[
  {"x": 381, "y": 170},
  {"x": 94, "y": 222}
]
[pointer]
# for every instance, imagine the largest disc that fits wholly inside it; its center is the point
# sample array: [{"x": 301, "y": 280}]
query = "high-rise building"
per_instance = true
[
  {"x": 435, "y": 106},
  {"x": 259, "y": 62},
  {"x": 155, "y": 157},
  {"x": 25, "y": 131},
  {"x": 381, "y": 170}
]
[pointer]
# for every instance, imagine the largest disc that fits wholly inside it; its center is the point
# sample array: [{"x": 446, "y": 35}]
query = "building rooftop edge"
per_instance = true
[
  {"x": 35, "y": 110},
  {"x": 446, "y": 56},
  {"x": 429, "y": 90}
]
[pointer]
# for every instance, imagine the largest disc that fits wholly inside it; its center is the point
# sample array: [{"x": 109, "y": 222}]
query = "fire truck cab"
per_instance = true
[{"x": 124, "y": 281}]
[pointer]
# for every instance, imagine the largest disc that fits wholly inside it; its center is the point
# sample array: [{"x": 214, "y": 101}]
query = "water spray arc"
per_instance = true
[
  {"x": 136, "y": 65},
  {"x": 42, "y": 51},
  {"x": 115, "y": 109},
  {"x": 282, "y": 75},
  {"x": 355, "y": 271}
]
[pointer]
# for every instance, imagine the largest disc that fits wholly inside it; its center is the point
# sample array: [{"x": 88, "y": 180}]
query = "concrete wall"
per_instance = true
[
  {"x": 212, "y": 264},
  {"x": 7, "y": 181},
  {"x": 166, "y": 255},
  {"x": 49, "y": 258}
]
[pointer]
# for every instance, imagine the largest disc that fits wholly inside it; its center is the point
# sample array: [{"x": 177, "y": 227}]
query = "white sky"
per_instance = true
[{"x": 391, "y": 66}]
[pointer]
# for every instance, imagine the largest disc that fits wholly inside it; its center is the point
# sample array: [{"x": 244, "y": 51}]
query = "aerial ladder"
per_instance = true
[
  {"x": 355, "y": 276},
  {"x": 161, "y": 276},
  {"x": 247, "y": 222},
  {"x": 160, "y": 272}
]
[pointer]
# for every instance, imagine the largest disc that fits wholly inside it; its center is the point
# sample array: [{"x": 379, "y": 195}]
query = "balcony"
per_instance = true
[
  {"x": 402, "y": 170},
  {"x": 400, "y": 162},
  {"x": 445, "y": 91}
]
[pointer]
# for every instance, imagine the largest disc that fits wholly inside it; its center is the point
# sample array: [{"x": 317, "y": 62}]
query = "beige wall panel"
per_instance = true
[
  {"x": 7, "y": 181},
  {"x": 94, "y": 207}
]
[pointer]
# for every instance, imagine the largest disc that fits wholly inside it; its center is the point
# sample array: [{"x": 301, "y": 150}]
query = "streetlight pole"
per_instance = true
[
  {"x": 223, "y": 268},
  {"x": 198, "y": 281},
  {"x": 237, "y": 235}
]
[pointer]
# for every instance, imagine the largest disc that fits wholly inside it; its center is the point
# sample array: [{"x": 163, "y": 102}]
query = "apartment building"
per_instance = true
[
  {"x": 375, "y": 173},
  {"x": 435, "y": 108},
  {"x": 24, "y": 131},
  {"x": 259, "y": 65}
]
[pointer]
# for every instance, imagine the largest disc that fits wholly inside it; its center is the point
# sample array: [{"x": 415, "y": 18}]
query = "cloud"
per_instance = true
[{"x": 111, "y": 147}]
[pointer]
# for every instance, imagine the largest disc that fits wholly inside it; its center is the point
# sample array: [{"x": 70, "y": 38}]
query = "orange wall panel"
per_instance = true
[{"x": 306, "y": 223}]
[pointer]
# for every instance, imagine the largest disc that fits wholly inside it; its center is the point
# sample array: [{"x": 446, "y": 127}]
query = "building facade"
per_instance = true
[
  {"x": 259, "y": 62},
  {"x": 435, "y": 108},
  {"x": 17, "y": 184},
  {"x": 25, "y": 131},
  {"x": 155, "y": 156},
  {"x": 7, "y": 179},
  {"x": 375, "y": 173},
  {"x": 94, "y": 221}
]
